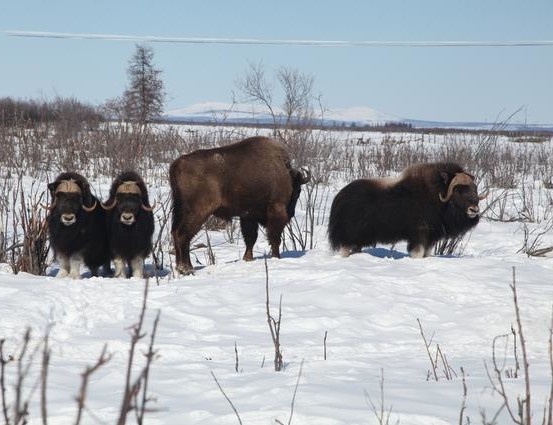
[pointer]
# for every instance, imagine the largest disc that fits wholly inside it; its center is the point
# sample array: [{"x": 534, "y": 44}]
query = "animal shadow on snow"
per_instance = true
[
  {"x": 397, "y": 255},
  {"x": 385, "y": 253},
  {"x": 258, "y": 257},
  {"x": 290, "y": 254},
  {"x": 150, "y": 271}
]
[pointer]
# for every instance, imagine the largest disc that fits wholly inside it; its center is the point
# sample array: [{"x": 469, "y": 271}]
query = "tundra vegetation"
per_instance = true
[{"x": 39, "y": 141}]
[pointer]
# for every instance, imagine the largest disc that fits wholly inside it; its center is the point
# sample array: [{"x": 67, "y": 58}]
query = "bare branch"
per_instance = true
[
  {"x": 274, "y": 325},
  {"x": 85, "y": 376},
  {"x": 227, "y": 398}
]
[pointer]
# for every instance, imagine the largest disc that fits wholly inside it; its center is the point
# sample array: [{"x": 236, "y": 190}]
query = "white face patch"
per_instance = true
[
  {"x": 473, "y": 211},
  {"x": 127, "y": 218},
  {"x": 68, "y": 219}
]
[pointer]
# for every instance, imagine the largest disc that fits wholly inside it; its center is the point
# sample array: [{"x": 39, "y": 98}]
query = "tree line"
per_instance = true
[{"x": 140, "y": 103}]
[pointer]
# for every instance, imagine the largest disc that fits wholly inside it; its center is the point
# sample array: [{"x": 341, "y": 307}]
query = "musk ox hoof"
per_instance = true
[
  {"x": 62, "y": 273},
  {"x": 417, "y": 252},
  {"x": 183, "y": 271},
  {"x": 344, "y": 251},
  {"x": 75, "y": 275}
]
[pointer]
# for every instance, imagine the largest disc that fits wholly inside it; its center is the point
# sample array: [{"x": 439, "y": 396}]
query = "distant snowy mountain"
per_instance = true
[
  {"x": 219, "y": 112},
  {"x": 242, "y": 113},
  {"x": 360, "y": 115},
  {"x": 251, "y": 113}
]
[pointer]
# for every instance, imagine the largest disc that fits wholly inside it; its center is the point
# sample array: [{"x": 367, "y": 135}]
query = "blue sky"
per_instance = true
[{"x": 446, "y": 84}]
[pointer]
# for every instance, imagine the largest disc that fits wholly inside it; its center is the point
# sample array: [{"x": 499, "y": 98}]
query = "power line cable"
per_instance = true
[{"x": 277, "y": 42}]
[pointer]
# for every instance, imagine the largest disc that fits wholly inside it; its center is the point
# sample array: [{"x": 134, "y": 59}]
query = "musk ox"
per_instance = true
[
  {"x": 426, "y": 203},
  {"x": 130, "y": 223},
  {"x": 76, "y": 226},
  {"x": 251, "y": 179}
]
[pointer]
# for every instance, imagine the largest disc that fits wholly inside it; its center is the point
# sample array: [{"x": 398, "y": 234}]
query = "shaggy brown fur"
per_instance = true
[{"x": 251, "y": 179}]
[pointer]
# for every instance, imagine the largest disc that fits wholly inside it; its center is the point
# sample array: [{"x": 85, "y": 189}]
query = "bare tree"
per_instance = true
[
  {"x": 145, "y": 95},
  {"x": 296, "y": 93}
]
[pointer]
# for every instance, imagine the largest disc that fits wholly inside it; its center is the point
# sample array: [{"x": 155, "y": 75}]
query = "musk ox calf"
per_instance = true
[
  {"x": 76, "y": 226},
  {"x": 130, "y": 223},
  {"x": 251, "y": 179},
  {"x": 426, "y": 203}
]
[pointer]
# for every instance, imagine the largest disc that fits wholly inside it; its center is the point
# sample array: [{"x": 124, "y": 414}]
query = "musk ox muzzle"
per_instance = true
[
  {"x": 473, "y": 211},
  {"x": 68, "y": 219},
  {"x": 127, "y": 218}
]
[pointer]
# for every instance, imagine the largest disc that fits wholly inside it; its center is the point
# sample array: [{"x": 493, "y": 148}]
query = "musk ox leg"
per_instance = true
[
  {"x": 416, "y": 251},
  {"x": 137, "y": 267},
  {"x": 119, "y": 264},
  {"x": 64, "y": 265},
  {"x": 347, "y": 250},
  {"x": 344, "y": 251},
  {"x": 249, "y": 229},
  {"x": 276, "y": 221},
  {"x": 75, "y": 262},
  {"x": 428, "y": 250}
]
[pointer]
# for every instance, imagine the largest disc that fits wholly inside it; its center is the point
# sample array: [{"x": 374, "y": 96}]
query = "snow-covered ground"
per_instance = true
[{"x": 367, "y": 305}]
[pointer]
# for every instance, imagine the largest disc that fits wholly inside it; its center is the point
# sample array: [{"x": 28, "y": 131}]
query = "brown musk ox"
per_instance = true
[
  {"x": 130, "y": 224},
  {"x": 425, "y": 204},
  {"x": 251, "y": 179},
  {"x": 77, "y": 226}
]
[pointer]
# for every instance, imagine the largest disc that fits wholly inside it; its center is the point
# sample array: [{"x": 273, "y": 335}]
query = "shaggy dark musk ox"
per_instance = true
[
  {"x": 426, "y": 203},
  {"x": 130, "y": 223},
  {"x": 76, "y": 226},
  {"x": 251, "y": 179}
]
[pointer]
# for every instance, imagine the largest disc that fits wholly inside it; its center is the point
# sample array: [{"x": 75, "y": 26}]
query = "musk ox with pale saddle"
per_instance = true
[
  {"x": 130, "y": 223},
  {"x": 252, "y": 179},
  {"x": 425, "y": 204},
  {"x": 76, "y": 226}
]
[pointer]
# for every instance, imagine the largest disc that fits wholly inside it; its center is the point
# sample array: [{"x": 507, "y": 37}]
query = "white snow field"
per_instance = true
[{"x": 367, "y": 305}]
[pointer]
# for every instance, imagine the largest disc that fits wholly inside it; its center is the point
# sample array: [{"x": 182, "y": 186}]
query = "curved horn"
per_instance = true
[
  {"x": 109, "y": 207},
  {"x": 459, "y": 179},
  {"x": 90, "y": 209},
  {"x": 148, "y": 209},
  {"x": 305, "y": 174},
  {"x": 484, "y": 196},
  {"x": 49, "y": 207}
]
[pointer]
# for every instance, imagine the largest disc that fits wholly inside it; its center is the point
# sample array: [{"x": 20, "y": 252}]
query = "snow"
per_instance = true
[{"x": 367, "y": 305}]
